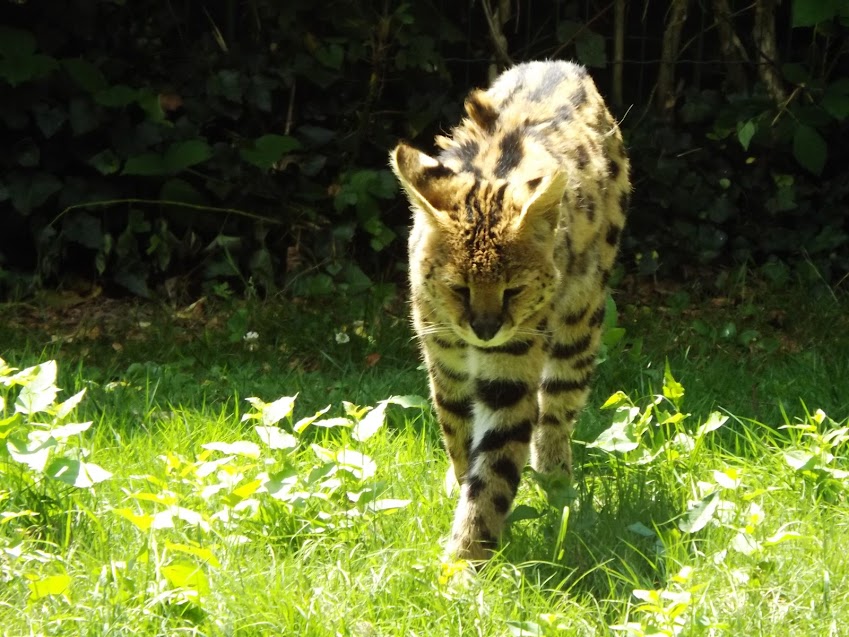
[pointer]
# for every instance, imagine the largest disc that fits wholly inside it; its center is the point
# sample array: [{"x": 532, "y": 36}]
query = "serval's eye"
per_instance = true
[
  {"x": 511, "y": 293},
  {"x": 462, "y": 291}
]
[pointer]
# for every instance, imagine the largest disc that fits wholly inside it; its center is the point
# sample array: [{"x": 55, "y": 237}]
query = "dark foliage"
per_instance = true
[{"x": 162, "y": 147}]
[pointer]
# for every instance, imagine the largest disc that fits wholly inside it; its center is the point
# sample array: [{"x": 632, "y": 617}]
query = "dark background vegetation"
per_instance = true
[{"x": 172, "y": 148}]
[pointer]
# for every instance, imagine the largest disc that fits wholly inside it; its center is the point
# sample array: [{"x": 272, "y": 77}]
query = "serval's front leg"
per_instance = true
[
  {"x": 575, "y": 338},
  {"x": 505, "y": 413}
]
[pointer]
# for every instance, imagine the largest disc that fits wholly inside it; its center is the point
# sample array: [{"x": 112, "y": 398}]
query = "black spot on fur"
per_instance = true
[
  {"x": 542, "y": 326},
  {"x": 625, "y": 202},
  {"x": 515, "y": 348},
  {"x": 563, "y": 114},
  {"x": 612, "y": 236},
  {"x": 585, "y": 362},
  {"x": 461, "y": 408},
  {"x": 570, "y": 350},
  {"x": 498, "y": 199},
  {"x": 475, "y": 486},
  {"x": 589, "y": 208},
  {"x": 555, "y": 386},
  {"x": 510, "y": 149},
  {"x": 509, "y": 472},
  {"x": 440, "y": 342},
  {"x": 605, "y": 277},
  {"x": 613, "y": 167},
  {"x": 533, "y": 183},
  {"x": 500, "y": 394},
  {"x": 550, "y": 420},
  {"x": 446, "y": 372},
  {"x": 437, "y": 172},
  {"x": 495, "y": 439},
  {"x": 448, "y": 430},
  {"x": 501, "y": 503},
  {"x": 598, "y": 316},
  {"x": 575, "y": 317},
  {"x": 582, "y": 156},
  {"x": 481, "y": 110},
  {"x": 579, "y": 97}
]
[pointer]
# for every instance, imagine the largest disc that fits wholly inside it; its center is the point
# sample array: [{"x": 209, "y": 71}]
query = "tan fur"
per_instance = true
[{"x": 516, "y": 227}]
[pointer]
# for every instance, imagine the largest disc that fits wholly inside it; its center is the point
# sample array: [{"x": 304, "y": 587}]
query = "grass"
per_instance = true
[{"x": 739, "y": 531}]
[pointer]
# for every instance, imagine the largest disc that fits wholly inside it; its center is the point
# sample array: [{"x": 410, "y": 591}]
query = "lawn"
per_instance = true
[{"x": 213, "y": 495}]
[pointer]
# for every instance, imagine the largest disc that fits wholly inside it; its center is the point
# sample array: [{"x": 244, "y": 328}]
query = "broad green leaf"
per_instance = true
[
  {"x": 105, "y": 162},
  {"x": 274, "y": 412},
  {"x": 359, "y": 464},
  {"x": 204, "y": 554},
  {"x": 621, "y": 436},
  {"x": 186, "y": 575},
  {"x": 330, "y": 423},
  {"x": 145, "y": 165},
  {"x": 303, "y": 423},
  {"x": 165, "y": 519},
  {"x": 186, "y": 154},
  {"x": 167, "y": 499},
  {"x": 40, "y": 391},
  {"x": 728, "y": 479},
  {"x": 386, "y": 504},
  {"x": 590, "y": 50},
  {"x": 16, "y": 42},
  {"x": 800, "y": 460},
  {"x": 85, "y": 74},
  {"x": 409, "y": 402},
  {"x": 783, "y": 536},
  {"x": 371, "y": 423},
  {"x": 67, "y": 406},
  {"x": 809, "y": 148},
  {"x": 641, "y": 529},
  {"x": 34, "y": 455},
  {"x": 71, "y": 429},
  {"x": 524, "y": 628},
  {"x": 142, "y": 522},
  {"x": 240, "y": 448},
  {"x": 672, "y": 389},
  {"x": 698, "y": 517},
  {"x": 77, "y": 473},
  {"x": 808, "y": 13},
  {"x": 30, "y": 191},
  {"x": 116, "y": 96},
  {"x": 615, "y": 400},
  {"x": 275, "y": 438},
  {"x": 48, "y": 586},
  {"x": 523, "y": 512},
  {"x": 715, "y": 421},
  {"x": 745, "y": 132},
  {"x": 267, "y": 150}
]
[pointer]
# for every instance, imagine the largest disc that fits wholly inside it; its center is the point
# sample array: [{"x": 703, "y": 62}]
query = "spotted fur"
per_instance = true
[{"x": 516, "y": 226}]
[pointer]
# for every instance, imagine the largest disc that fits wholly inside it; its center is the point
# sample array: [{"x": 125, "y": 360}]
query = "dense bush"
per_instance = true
[{"x": 159, "y": 147}]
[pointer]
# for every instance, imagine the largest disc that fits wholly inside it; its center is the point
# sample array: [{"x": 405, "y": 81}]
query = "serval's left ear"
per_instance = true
[
  {"x": 429, "y": 184},
  {"x": 542, "y": 205}
]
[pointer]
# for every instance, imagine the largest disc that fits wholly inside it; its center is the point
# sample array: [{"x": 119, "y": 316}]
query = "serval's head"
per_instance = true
[{"x": 481, "y": 250}]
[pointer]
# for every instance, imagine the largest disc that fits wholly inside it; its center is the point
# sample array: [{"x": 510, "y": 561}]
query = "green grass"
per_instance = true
[{"x": 772, "y": 557}]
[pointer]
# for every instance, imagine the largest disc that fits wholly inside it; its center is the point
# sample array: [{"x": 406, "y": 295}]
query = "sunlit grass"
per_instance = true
[{"x": 743, "y": 532}]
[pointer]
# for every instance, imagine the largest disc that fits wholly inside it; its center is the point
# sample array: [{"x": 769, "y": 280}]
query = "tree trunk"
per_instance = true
[
  {"x": 618, "y": 50},
  {"x": 767, "y": 51},
  {"x": 731, "y": 47},
  {"x": 665, "y": 96}
]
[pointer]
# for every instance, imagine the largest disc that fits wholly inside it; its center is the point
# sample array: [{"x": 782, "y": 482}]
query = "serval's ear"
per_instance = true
[
  {"x": 429, "y": 184},
  {"x": 542, "y": 205}
]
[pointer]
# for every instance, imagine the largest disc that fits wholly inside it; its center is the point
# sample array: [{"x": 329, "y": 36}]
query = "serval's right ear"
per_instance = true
[{"x": 427, "y": 182}]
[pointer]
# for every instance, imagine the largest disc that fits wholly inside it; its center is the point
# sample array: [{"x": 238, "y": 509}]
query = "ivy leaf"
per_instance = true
[
  {"x": 85, "y": 74},
  {"x": 809, "y": 149},
  {"x": 145, "y": 165},
  {"x": 809, "y": 13},
  {"x": 269, "y": 149},
  {"x": 590, "y": 50},
  {"x": 105, "y": 162},
  {"x": 30, "y": 190},
  {"x": 186, "y": 154},
  {"x": 116, "y": 96}
]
